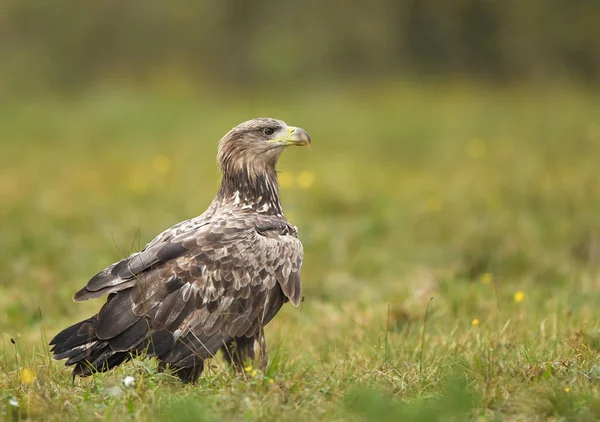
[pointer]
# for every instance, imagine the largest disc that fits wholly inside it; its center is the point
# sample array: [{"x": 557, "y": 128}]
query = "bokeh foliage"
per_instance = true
[{"x": 67, "y": 44}]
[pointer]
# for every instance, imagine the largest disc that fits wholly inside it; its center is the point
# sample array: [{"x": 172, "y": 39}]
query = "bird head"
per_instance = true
[{"x": 257, "y": 144}]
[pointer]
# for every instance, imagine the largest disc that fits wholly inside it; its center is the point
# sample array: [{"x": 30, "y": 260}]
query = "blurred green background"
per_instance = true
[
  {"x": 65, "y": 45},
  {"x": 455, "y": 156}
]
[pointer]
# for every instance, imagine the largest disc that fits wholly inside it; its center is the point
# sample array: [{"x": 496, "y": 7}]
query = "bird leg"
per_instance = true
[
  {"x": 243, "y": 349},
  {"x": 262, "y": 359},
  {"x": 188, "y": 373}
]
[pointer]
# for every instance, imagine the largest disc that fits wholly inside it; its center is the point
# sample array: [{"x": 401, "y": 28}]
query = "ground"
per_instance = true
[{"x": 452, "y": 249}]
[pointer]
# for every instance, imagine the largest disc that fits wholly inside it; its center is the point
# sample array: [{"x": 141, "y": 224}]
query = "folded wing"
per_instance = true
[{"x": 187, "y": 295}]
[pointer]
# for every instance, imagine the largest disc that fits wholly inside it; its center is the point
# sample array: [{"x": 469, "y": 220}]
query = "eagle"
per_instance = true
[{"x": 206, "y": 284}]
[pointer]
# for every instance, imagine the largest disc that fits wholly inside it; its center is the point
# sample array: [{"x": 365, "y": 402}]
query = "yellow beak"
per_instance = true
[{"x": 295, "y": 136}]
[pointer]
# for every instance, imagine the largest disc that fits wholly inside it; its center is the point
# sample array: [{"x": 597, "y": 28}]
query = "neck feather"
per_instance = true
[{"x": 247, "y": 188}]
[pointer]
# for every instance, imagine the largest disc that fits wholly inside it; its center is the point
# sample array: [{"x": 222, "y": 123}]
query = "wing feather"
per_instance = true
[
  {"x": 123, "y": 274},
  {"x": 235, "y": 275},
  {"x": 198, "y": 289}
]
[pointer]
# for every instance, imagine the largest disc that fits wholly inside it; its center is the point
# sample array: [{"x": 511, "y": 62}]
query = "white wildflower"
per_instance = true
[
  {"x": 13, "y": 402},
  {"x": 128, "y": 381}
]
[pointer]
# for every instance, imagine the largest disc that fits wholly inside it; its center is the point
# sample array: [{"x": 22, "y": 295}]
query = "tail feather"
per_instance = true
[
  {"x": 131, "y": 337},
  {"x": 82, "y": 348},
  {"x": 76, "y": 335},
  {"x": 80, "y": 345},
  {"x": 65, "y": 334},
  {"x": 78, "y": 352},
  {"x": 103, "y": 360},
  {"x": 75, "y": 357},
  {"x": 157, "y": 344}
]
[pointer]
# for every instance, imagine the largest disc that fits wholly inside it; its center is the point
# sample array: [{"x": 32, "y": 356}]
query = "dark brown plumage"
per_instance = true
[{"x": 206, "y": 284}]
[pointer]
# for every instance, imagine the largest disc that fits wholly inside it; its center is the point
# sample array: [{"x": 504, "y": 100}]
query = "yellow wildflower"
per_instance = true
[
  {"x": 306, "y": 179},
  {"x": 254, "y": 373},
  {"x": 519, "y": 296},
  {"x": 567, "y": 389},
  {"x": 271, "y": 381},
  {"x": 161, "y": 164},
  {"x": 475, "y": 322},
  {"x": 248, "y": 368},
  {"x": 286, "y": 180},
  {"x": 486, "y": 278},
  {"x": 27, "y": 376}
]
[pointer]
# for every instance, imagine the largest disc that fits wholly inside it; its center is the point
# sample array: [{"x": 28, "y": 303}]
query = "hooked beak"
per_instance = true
[{"x": 293, "y": 136}]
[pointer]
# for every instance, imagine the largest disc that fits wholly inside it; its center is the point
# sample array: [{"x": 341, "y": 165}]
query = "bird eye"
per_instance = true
[{"x": 268, "y": 131}]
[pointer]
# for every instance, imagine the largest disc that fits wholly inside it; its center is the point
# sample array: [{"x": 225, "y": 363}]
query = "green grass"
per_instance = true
[{"x": 431, "y": 207}]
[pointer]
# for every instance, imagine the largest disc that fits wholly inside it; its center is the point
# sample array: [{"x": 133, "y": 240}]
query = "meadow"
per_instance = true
[{"x": 451, "y": 236}]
